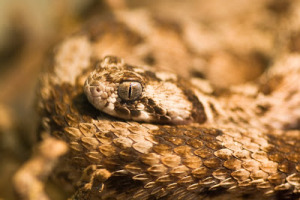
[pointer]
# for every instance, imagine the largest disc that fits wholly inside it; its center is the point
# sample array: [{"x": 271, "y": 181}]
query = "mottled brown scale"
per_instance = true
[
  {"x": 162, "y": 149},
  {"x": 127, "y": 155},
  {"x": 213, "y": 163},
  {"x": 122, "y": 111},
  {"x": 71, "y": 119},
  {"x": 136, "y": 137},
  {"x": 233, "y": 164},
  {"x": 195, "y": 143},
  {"x": 171, "y": 160},
  {"x": 89, "y": 142},
  {"x": 175, "y": 140},
  {"x": 242, "y": 154},
  {"x": 240, "y": 175},
  {"x": 75, "y": 146},
  {"x": 72, "y": 133},
  {"x": 200, "y": 172},
  {"x": 183, "y": 151},
  {"x": 192, "y": 162},
  {"x": 107, "y": 150},
  {"x": 149, "y": 109},
  {"x": 157, "y": 170},
  {"x": 159, "y": 110},
  {"x": 94, "y": 157},
  {"x": 135, "y": 113},
  {"x": 87, "y": 129},
  {"x": 277, "y": 178},
  {"x": 164, "y": 179},
  {"x": 179, "y": 171},
  {"x": 224, "y": 154},
  {"x": 221, "y": 174},
  {"x": 164, "y": 118},
  {"x": 143, "y": 146},
  {"x": 203, "y": 153}
]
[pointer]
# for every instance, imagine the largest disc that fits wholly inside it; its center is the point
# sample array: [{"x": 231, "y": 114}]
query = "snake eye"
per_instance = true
[{"x": 130, "y": 90}]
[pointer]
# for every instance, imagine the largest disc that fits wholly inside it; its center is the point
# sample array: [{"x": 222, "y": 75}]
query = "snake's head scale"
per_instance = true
[{"x": 137, "y": 93}]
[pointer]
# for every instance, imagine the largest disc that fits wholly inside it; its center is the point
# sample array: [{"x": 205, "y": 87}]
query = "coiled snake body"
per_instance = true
[{"x": 135, "y": 133}]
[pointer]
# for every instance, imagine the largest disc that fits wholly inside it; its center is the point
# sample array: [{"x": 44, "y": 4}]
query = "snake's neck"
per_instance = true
[
  {"x": 274, "y": 103},
  {"x": 234, "y": 110},
  {"x": 279, "y": 110}
]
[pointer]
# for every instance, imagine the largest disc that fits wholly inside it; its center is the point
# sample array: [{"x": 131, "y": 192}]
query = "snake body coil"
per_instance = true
[{"x": 136, "y": 133}]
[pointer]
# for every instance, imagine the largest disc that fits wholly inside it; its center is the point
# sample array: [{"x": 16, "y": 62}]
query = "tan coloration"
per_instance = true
[
  {"x": 234, "y": 149},
  {"x": 245, "y": 68},
  {"x": 172, "y": 95},
  {"x": 173, "y": 161},
  {"x": 285, "y": 88},
  {"x": 72, "y": 55},
  {"x": 155, "y": 31},
  {"x": 131, "y": 92}
]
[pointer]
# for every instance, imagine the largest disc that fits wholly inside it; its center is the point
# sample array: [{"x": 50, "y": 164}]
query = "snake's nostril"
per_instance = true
[{"x": 95, "y": 91}]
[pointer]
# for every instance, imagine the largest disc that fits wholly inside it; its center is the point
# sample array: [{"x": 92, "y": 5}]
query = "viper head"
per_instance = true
[{"x": 140, "y": 94}]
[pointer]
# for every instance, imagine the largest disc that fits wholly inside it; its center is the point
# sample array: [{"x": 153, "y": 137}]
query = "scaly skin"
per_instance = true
[
  {"x": 228, "y": 152},
  {"x": 233, "y": 145}
]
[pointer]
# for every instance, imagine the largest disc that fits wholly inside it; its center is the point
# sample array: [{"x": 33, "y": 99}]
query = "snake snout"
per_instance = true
[{"x": 95, "y": 93}]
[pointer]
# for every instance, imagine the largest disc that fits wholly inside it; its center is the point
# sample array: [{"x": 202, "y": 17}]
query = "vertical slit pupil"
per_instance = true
[{"x": 129, "y": 92}]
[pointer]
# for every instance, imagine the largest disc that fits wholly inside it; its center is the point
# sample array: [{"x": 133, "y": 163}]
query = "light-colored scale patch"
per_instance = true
[
  {"x": 164, "y": 76},
  {"x": 171, "y": 99},
  {"x": 72, "y": 58},
  {"x": 144, "y": 116},
  {"x": 106, "y": 64},
  {"x": 109, "y": 109},
  {"x": 202, "y": 85},
  {"x": 140, "y": 69}
]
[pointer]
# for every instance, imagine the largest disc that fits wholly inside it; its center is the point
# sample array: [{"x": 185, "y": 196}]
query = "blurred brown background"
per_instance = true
[{"x": 28, "y": 31}]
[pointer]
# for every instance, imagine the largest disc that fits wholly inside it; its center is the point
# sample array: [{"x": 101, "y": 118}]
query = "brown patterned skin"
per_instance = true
[
  {"x": 239, "y": 148},
  {"x": 139, "y": 94}
]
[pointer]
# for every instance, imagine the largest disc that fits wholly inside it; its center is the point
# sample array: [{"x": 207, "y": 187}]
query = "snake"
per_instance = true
[{"x": 134, "y": 132}]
